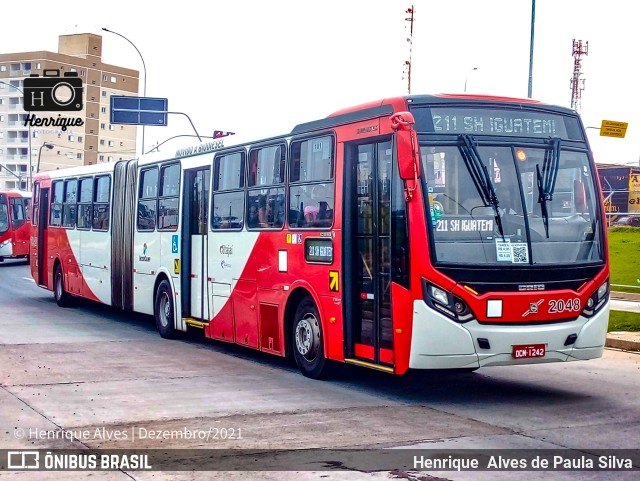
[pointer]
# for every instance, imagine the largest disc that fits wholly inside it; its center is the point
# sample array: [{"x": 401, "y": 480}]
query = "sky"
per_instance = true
[{"x": 259, "y": 67}]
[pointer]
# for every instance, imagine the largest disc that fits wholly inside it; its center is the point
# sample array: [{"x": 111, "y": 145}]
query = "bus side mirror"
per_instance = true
[{"x": 408, "y": 157}]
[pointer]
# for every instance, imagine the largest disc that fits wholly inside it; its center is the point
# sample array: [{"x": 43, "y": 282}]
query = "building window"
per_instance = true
[
  {"x": 111, "y": 143},
  {"x": 38, "y": 66},
  {"x": 103, "y": 126},
  {"x": 3, "y": 68},
  {"x": 79, "y": 155},
  {"x": 101, "y": 141},
  {"x": 103, "y": 110},
  {"x": 104, "y": 77},
  {"x": 70, "y": 138},
  {"x": 104, "y": 93},
  {"x": 113, "y": 80},
  {"x": 111, "y": 127}
]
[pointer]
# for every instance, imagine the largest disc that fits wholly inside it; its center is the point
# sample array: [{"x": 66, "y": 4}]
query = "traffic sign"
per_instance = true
[
  {"x": 138, "y": 110},
  {"x": 611, "y": 128}
]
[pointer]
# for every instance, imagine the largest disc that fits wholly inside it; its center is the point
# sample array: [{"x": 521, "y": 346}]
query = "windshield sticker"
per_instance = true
[
  {"x": 514, "y": 252},
  {"x": 503, "y": 250},
  {"x": 520, "y": 253}
]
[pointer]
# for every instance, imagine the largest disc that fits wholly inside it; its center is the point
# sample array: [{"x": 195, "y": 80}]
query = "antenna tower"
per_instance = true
[
  {"x": 407, "y": 63},
  {"x": 577, "y": 83}
]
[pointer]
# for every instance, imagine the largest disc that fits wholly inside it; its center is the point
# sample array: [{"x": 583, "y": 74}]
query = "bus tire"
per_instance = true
[
  {"x": 164, "y": 310},
  {"x": 63, "y": 298},
  {"x": 307, "y": 341}
]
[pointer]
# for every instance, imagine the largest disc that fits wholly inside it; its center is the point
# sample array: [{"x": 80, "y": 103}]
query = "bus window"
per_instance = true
[
  {"x": 101, "y": 201},
  {"x": 85, "y": 207},
  {"x": 227, "y": 201},
  {"x": 147, "y": 205},
  {"x": 311, "y": 191},
  {"x": 4, "y": 218},
  {"x": 168, "y": 205},
  {"x": 265, "y": 198},
  {"x": 56, "y": 203},
  {"x": 69, "y": 205},
  {"x": 17, "y": 212}
]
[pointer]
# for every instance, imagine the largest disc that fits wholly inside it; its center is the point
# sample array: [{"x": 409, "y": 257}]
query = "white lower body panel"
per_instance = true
[{"x": 437, "y": 342}]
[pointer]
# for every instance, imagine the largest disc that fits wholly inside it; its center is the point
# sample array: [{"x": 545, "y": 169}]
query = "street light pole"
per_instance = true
[
  {"x": 144, "y": 67},
  {"x": 48, "y": 146},
  {"x": 467, "y": 78},
  {"x": 29, "y": 182},
  {"x": 533, "y": 22}
]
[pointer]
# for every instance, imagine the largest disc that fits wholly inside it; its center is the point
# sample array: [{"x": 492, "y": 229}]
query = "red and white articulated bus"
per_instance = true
[
  {"x": 417, "y": 232},
  {"x": 15, "y": 208}
]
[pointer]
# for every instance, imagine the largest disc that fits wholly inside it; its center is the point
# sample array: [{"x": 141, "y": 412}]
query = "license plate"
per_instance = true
[{"x": 528, "y": 351}]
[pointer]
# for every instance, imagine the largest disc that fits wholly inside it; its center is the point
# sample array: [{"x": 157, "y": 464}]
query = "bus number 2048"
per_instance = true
[{"x": 560, "y": 305}]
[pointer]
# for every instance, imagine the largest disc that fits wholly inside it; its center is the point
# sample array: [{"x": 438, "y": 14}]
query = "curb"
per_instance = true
[
  {"x": 625, "y": 296},
  {"x": 622, "y": 344}
]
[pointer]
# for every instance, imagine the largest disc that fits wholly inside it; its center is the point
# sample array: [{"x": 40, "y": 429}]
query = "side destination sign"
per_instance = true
[{"x": 200, "y": 148}]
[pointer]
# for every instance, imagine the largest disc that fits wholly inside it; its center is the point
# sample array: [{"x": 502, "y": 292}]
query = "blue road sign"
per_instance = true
[{"x": 138, "y": 110}]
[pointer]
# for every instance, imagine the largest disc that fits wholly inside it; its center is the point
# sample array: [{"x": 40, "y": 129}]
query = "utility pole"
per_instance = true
[
  {"x": 407, "y": 63},
  {"x": 577, "y": 84},
  {"x": 533, "y": 23}
]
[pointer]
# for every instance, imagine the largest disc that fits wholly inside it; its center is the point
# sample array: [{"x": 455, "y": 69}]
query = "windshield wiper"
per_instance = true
[
  {"x": 547, "y": 179},
  {"x": 480, "y": 177}
]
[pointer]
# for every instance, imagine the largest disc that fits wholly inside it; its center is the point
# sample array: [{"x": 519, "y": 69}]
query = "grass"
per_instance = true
[
  {"x": 624, "y": 321},
  {"x": 624, "y": 257}
]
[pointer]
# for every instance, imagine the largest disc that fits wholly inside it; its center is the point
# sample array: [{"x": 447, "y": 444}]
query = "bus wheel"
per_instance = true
[
  {"x": 164, "y": 310},
  {"x": 63, "y": 299},
  {"x": 308, "y": 348}
]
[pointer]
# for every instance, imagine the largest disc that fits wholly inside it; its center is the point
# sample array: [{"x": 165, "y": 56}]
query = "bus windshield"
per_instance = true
[
  {"x": 546, "y": 212},
  {"x": 4, "y": 218}
]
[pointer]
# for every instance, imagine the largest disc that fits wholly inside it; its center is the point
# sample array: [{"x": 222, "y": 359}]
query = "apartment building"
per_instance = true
[{"x": 89, "y": 138}]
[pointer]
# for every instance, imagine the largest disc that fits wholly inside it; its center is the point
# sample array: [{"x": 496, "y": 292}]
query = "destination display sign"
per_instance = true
[
  {"x": 318, "y": 250},
  {"x": 478, "y": 121},
  {"x": 464, "y": 227}
]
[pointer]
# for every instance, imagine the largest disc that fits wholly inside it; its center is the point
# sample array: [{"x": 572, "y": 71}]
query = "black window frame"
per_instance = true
[
  {"x": 144, "y": 199},
  {"x": 300, "y": 223},
  {"x": 55, "y": 202},
  {"x": 67, "y": 206},
  {"x": 173, "y": 196},
  {"x": 216, "y": 191},
  {"x": 257, "y": 198},
  {"x": 98, "y": 204},
  {"x": 83, "y": 204}
]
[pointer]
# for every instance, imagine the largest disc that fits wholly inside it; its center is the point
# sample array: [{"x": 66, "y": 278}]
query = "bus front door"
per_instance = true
[
  {"x": 368, "y": 223},
  {"x": 43, "y": 224},
  {"x": 193, "y": 275}
]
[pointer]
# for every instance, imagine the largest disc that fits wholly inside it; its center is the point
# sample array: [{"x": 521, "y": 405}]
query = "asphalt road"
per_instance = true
[{"x": 92, "y": 369}]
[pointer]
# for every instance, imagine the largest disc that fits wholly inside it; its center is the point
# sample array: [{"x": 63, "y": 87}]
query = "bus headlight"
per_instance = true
[
  {"x": 445, "y": 302},
  {"x": 597, "y": 300}
]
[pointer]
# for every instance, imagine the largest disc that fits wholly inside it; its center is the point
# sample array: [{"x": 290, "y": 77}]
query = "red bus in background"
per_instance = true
[
  {"x": 417, "y": 232},
  {"x": 15, "y": 211}
]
